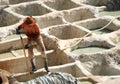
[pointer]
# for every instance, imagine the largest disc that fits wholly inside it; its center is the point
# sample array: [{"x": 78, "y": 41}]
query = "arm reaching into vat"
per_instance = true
[{"x": 31, "y": 29}]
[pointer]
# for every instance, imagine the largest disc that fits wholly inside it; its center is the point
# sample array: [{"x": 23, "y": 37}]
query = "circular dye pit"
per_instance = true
[
  {"x": 34, "y": 9},
  {"x": 88, "y": 50},
  {"x": 104, "y": 31},
  {"x": 6, "y": 55},
  {"x": 7, "y": 19},
  {"x": 20, "y": 51},
  {"x": 61, "y": 4},
  {"x": 12, "y": 36},
  {"x": 66, "y": 32},
  {"x": 118, "y": 44},
  {"x": 111, "y": 13}
]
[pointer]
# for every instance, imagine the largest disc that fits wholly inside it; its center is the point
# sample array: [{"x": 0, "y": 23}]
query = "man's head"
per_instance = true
[{"x": 27, "y": 22}]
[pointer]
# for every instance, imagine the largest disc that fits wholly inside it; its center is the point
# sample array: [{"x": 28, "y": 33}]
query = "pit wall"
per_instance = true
[{"x": 9, "y": 2}]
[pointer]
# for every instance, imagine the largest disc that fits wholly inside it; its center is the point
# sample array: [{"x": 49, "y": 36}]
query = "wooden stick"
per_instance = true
[
  {"x": 108, "y": 23},
  {"x": 26, "y": 61}
]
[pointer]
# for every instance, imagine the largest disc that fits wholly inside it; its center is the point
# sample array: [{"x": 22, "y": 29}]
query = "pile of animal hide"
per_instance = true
[{"x": 51, "y": 78}]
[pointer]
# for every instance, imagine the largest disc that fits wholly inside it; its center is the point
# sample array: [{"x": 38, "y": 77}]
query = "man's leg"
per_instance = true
[
  {"x": 32, "y": 58},
  {"x": 42, "y": 49}
]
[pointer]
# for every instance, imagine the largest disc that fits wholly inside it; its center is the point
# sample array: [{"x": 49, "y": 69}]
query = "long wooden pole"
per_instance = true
[{"x": 26, "y": 61}]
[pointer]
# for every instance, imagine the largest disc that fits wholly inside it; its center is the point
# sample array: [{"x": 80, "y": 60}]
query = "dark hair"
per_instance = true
[{"x": 30, "y": 20}]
